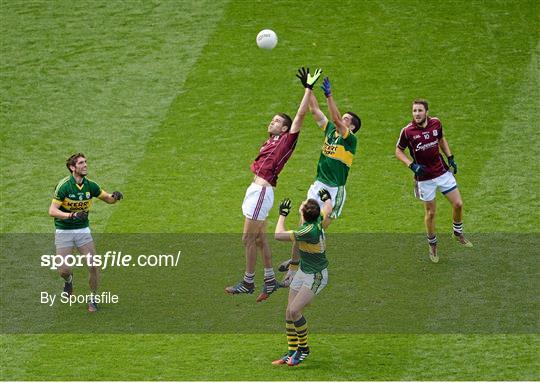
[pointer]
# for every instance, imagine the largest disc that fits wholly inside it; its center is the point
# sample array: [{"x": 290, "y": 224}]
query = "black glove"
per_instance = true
[
  {"x": 417, "y": 168},
  {"x": 284, "y": 266},
  {"x": 306, "y": 78},
  {"x": 117, "y": 195},
  {"x": 285, "y": 207},
  {"x": 324, "y": 195},
  {"x": 452, "y": 164},
  {"x": 81, "y": 215}
]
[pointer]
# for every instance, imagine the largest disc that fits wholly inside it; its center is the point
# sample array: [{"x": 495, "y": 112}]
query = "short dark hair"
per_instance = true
[
  {"x": 311, "y": 210},
  {"x": 421, "y": 101},
  {"x": 356, "y": 121},
  {"x": 71, "y": 161},
  {"x": 288, "y": 121}
]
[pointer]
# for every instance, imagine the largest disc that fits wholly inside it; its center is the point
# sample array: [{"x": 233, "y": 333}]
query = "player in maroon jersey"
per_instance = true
[
  {"x": 259, "y": 197},
  {"x": 424, "y": 138}
]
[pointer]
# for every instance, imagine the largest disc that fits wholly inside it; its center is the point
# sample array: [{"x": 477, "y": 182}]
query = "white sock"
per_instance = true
[
  {"x": 269, "y": 273},
  {"x": 249, "y": 277}
]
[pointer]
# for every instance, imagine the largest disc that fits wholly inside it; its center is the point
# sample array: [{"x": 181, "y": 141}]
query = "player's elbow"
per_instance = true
[
  {"x": 52, "y": 211},
  {"x": 281, "y": 236}
]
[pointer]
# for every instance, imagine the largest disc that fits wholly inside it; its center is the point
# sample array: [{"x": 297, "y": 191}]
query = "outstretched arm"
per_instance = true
[
  {"x": 281, "y": 233},
  {"x": 301, "y": 113},
  {"x": 335, "y": 115},
  {"x": 111, "y": 198},
  {"x": 307, "y": 81},
  {"x": 316, "y": 111},
  {"x": 326, "y": 212}
]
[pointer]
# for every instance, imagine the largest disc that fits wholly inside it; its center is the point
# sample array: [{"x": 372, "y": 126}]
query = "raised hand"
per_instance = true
[
  {"x": 307, "y": 79},
  {"x": 312, "y": 79},
  {"x": 326, "y": 87},
  {"x": 324, "y": 195},
  {"x": 285, "y": 207}
]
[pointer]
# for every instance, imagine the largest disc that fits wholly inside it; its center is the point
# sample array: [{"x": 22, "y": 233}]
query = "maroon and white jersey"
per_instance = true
[
  {"x": 423, "y": 144},
  {"x": 273, "y": 155}
]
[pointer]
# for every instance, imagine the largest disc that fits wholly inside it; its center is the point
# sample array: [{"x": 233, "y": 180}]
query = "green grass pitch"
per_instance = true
[{"x": 170, "y": 101}]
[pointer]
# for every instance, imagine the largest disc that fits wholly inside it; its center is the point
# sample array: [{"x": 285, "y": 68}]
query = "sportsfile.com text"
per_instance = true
[{"x": 110, "y": 258}]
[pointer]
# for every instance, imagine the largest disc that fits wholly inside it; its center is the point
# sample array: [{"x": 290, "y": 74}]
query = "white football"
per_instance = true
[{"x": 267, "y": 39}]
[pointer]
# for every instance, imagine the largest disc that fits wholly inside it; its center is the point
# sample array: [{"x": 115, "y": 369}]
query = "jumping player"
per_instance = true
[
  {"x": 335, "y": 161},
  {"x": 259, "y": 197}
]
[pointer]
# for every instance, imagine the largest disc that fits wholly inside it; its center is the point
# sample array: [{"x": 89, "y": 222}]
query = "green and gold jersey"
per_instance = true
[
  {"x": 311, "y": 246},
  {"x": 336, "y": 156},
  {"x": 74, "y": 197}
]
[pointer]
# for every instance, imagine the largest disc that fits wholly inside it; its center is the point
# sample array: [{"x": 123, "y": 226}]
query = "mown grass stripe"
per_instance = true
[{"x": 508, "y": 198}]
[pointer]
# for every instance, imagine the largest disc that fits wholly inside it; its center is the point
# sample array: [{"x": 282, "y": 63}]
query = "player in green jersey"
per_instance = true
[
  {"x": 312, "y": 273},
  {"x": 70, "y": 206},
  {"x": 338, "y": 150},
  {"x": 335, "y": 160}
]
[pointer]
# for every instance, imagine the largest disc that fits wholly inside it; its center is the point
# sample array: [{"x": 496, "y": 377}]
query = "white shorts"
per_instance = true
[
  {"x": 425, "y": 190},
  {"x": 72, "y": 238},
  {"x": 258, "y": 202},
  {"x": 338, "y": 194},
  {"x": 315, "y": 282}
]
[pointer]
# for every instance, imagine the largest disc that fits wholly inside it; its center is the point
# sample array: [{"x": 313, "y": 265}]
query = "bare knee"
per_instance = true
[
  {"x": 292, "y": 313},
  {"x": 249, "y": 240},
  {"x": 262, "y": 241},
  {"x": 64, "y": 271},
  {"x": 458, "y": 205},
  {"x": 430, "y": 214},
  {"x": 94, "y": 270}
]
